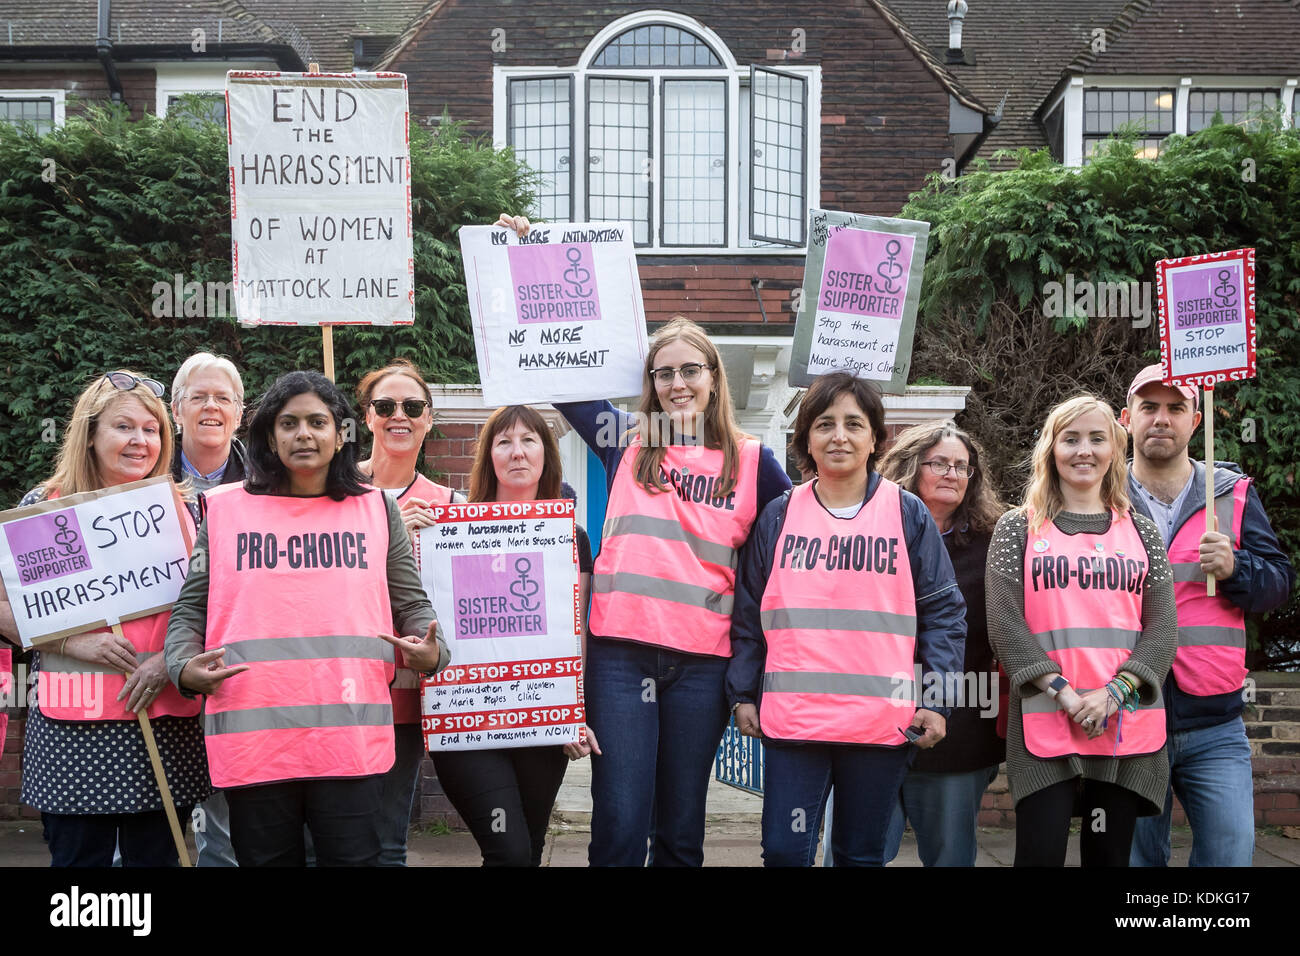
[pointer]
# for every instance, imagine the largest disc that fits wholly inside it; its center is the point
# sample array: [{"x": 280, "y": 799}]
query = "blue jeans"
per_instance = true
[
  {"x": 658, "y": 716},
  {"x": 212, "y": 832},
  {"x": 399, "y": 794},
  {"x": 1209, "y": 770},
  {"x": 796, "y": 782},
  {"x": 943, "y": 809}
]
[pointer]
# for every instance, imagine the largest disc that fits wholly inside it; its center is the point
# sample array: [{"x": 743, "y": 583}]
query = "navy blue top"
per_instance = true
[{"x": 940, "y": 608}]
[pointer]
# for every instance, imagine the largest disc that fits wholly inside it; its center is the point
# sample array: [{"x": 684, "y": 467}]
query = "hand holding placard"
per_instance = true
[{"x": 110, "y": 650}]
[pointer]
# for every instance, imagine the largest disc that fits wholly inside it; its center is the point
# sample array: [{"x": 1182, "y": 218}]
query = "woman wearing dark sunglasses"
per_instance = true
[
  {"x": 399, "y": 414},
  {"x": 85, "y": 766}
]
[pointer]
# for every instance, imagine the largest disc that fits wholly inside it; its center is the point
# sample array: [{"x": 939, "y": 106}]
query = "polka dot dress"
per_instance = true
[{"x": 102, "y": 766}]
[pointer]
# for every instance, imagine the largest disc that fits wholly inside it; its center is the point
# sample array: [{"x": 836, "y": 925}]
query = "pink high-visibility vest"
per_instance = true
[
  {"x": 666, "y": 573},
  {"x": 405, "y": 691},
  {"x": 6, "y": 689},
  {"x": 1211, "y": 657},
  {"x": 1083, "y": 603},
  {"x": 71, "y": 689},
  {"x": 839, "y": 616},
  {"x": 298, "y": 590}
]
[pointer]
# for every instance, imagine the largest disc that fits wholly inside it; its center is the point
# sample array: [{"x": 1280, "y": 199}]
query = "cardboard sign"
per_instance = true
[
  {"x": 84, "y": 562},
  {"x": 320, "y": 198},
  {"x": 861, "y": 288},
  {"x": 1207, "y": 317},
  {"x": 557, "y": 313},
  {"x": 503, "y": 580}
]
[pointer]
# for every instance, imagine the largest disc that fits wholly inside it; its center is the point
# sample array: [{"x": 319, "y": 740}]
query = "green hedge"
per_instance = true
[
  {"x": 998, "y": 238},
  {"x": 131, "y": 204}
]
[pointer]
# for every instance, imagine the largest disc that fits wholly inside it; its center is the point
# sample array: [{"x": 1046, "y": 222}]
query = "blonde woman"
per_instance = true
[
  {"x": 1081, "y": 614},
  {"x": 85, "y": 766}
]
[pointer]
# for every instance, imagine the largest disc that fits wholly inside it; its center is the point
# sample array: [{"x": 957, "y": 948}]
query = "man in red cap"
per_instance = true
[{"x": 1209, "y": 755}]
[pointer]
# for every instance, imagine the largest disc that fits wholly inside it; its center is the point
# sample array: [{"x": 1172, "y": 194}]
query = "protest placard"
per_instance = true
[
  {"x": 861, "y": 288},
  {"x": 320, "y": 198},
  {"x": 503, "y": 580},
  {"x": 557, "y": 313},
  {"x": 1207, "y": 317},
  {"x": 88, "y": 561}
]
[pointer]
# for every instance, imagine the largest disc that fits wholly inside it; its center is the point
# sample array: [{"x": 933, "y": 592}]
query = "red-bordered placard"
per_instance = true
[{"x": 1207, "y": 317}]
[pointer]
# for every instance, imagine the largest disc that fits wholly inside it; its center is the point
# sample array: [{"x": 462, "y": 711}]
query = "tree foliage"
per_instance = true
[
  {"x": 999, "y": 238},
  {"x": 93, "y": 214}
]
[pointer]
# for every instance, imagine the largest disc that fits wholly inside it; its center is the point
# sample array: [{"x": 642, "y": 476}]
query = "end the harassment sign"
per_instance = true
[
  {"x": 320, "y": 198},
  {"x": 503, "y": 579}
]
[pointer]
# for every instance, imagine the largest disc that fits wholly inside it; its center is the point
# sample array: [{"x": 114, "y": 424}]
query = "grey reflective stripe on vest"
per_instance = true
[
  {"x": 53, "y": 663},
  {"x": 1225, "y": 509},
  {"x": 1076, "y": 637},
  {"x": 1045, "y": 704},
  {"x": 668, "y": 530},
  {"x": 693, "y": 595},
  {"x": 1212, "y": 635},
  {"x": 1185, "y": 572},
  {"x": 307, "y": 649},
  {"x": 901, "y": 688},
  {"x": 298, "y": 717},
  {"x": 837, "y": 619}
]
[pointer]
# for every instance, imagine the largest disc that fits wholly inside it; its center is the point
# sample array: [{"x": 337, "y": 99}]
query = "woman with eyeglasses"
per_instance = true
[
  {"x": 505, "y": 795},
  {"x": 1081, "y": 614},
  {"x": 941, "y": 795},
  {"x": 399, "y": 413},
  {"x": 286, "y": 627},
  {"x": 685, "y": 486},
  {"x": 85, "y": 766},
  {"x": 843, "y": 585}
]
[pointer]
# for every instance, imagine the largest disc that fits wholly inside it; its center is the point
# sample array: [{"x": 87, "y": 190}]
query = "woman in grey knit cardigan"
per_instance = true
[{"x": 1081, "y": 614}]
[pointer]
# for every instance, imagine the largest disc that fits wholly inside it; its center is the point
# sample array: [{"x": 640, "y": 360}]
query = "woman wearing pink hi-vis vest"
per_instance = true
[
  {"x": 685, "y": 485},
  {"x": 1081, "y": 614},
  {"x": 844, "y": 585},
  {"x": 85, "y": 763},
  {"x": 399, "y": 413},
  {"x": 284, "y": 621}
]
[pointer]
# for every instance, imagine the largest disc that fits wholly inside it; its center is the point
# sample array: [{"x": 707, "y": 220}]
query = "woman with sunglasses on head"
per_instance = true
[
  {"x": 399, "y": 413},
  {"x": 85, "y": 765},
  {"x": 842, "y": 586},
  {"x": 1081, "y": 614},
  {"x": 285, "y": 626},
  {"x": 685, "y": 486},
  {"x": 505, "y": 795}
]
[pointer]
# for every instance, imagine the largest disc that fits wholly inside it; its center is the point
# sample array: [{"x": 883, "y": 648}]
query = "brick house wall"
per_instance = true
[{"x": 88, "y": 85}]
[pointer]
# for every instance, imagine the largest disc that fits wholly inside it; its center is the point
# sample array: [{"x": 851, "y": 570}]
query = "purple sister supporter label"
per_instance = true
[
  {"x": 866, "y": 273},
  {"x": 499, "y": 595},
  {"x": 1207, "y": 296},
  {"x": 47, "y": 546},
  {"x": 554, "y": 283}
]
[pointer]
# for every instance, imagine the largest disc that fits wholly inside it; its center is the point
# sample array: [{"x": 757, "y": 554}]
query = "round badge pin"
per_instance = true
[
  {"x": 1100, "y": 547},
  {"x": 1040, "y": 545}
]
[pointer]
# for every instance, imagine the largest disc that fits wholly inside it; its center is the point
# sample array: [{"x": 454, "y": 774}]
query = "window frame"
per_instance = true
[
  {"x": 735, "y": 74},
  {"x": 57, "y": 96},
  {"x": 1275, "y": 90},
  {"x": 573, "y": 96}
]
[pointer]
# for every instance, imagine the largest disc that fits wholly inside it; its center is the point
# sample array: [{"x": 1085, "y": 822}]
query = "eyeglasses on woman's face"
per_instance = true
[
  {"x": 387, "y": 407},
  {"x": 940, "y": 468},
  {"x": 690, "y": 373}
]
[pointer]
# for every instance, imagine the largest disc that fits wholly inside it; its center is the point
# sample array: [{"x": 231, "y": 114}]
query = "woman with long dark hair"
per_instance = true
[{"x": 284, "y": 625}]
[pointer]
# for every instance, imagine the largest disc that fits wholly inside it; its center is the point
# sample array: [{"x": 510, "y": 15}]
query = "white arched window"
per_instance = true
[{"x": 658, "y": 126}]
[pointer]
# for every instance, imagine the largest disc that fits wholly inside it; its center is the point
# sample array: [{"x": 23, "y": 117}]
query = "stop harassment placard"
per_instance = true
[
  {"x": 320, "y": 198},
  {"x": 557, "y": 313},
  {"x": 503, "y": 580},
  {"x": 84, "y": 562},
  {"x": 1207, "y": 317}
]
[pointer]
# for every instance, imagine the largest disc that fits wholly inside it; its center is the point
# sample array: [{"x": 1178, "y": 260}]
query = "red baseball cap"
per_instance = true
[{"x": 1152, "y": 374}]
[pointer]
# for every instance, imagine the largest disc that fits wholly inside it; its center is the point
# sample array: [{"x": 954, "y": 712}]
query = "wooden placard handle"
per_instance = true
[{"x": 1209, "y": 475}]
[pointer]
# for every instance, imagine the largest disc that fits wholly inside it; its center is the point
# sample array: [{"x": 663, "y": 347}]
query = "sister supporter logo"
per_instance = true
[
  {"x": 498, "y": 595},
  {"x": 554, "y": 283},
  {"x": 47, "y": 546}
]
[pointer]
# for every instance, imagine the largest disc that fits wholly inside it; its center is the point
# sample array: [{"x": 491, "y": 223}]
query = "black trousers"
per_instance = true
[
  {"x": 1109, "y": 815},
  {"x": 145, "y": 839},
  {"x": 505, "y": 796},
  {"x": 344, "y": 817}
]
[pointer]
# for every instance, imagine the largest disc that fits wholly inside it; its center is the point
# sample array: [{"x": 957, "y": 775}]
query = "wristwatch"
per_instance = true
[{"x": 1058, "y": 684}]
